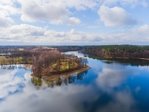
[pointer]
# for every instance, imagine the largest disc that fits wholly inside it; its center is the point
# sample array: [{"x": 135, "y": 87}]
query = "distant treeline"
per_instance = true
[
  {"x": 111, "y": 51},
  {"x": 19, "y": 55},
  {"x": 118, "y": 52},
  {"x": 70, "y": 48},
  {"x": 103, "y": 51}
]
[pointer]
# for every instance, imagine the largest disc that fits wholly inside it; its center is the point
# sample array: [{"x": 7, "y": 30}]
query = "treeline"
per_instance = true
[
  {"x": 118, "y": 52},
  {"x": 16, "y": 57},
  {"x": 19, "y": 55},
  {"x": 69, "y": 48}
]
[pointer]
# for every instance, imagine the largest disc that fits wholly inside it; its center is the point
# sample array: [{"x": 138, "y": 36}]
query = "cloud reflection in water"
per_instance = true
[{"x": 113, "y": 88}]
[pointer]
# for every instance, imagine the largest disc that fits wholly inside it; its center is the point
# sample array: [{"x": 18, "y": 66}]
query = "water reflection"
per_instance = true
[
  {"x": 113, "y": 76},
  {"x": 132, "y": 62},
  {"x": 57, "y": 80},
  {"x": 12, "y": 80},
  {"x": 106, "y": 87},
  {"x": 15, "y": 66}
]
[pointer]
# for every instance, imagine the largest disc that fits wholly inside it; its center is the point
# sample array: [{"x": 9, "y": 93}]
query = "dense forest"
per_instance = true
[{"x": 118, "y": 52}]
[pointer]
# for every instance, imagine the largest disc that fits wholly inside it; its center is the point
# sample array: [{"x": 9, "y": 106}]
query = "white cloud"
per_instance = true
[
  {"x": 28, "y": 34},
  {"x": 7, "y": 9},
  {"x": 132, "y": 3},
  {"x": 144, "y": 29},
  {"x": 115, "y": 16},
  {"x": 55, "y": 12},
  {"x": 6, "y": 2},
  {"x": 42, "y": 11},
  {"x": 5, "y": 21},
  {"x": 73, "y": 21}
]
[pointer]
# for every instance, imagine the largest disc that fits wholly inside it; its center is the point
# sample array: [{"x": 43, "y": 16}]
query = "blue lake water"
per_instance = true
[{"x": 105, "y": 87}]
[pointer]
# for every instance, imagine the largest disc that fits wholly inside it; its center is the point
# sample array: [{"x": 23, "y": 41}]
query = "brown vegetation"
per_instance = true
[{"x": 53, "y": 62}]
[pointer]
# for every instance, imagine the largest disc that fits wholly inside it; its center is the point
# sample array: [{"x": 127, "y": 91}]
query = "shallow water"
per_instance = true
[{"x": 106, "y": 87}]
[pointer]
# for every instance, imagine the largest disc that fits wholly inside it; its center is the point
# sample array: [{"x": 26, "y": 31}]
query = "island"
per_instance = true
[
  {"x": 48, "y": 64},
  {"x": 52, "y": 66}
]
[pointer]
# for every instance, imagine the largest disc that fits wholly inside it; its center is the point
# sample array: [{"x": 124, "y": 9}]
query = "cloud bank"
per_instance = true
[{"x": 63, "y": 22}]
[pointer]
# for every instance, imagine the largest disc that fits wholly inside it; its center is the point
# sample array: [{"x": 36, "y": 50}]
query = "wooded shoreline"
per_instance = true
[
  {"x": 31, "y": 54},
  {"x": 45, "y": 61}
]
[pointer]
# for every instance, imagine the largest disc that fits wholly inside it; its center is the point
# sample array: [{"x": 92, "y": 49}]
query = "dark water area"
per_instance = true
[{"x": 106, "y": 87}]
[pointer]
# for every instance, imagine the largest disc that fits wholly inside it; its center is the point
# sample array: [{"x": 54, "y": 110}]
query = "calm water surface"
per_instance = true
[{"x": 106, "y": 87}]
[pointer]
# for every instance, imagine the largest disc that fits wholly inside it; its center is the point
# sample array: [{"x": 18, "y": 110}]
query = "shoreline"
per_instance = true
[
  {"x": 118, "y": 58},
  {"x": 127, "y": 58},
  {"x": 56, "y": 77}
]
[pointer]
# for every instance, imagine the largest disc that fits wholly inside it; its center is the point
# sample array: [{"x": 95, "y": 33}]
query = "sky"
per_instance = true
[{"x": 74, "y": 22}]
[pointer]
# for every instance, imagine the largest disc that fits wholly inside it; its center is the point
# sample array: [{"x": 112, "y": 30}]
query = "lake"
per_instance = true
[{"x": 108, "y": 86}]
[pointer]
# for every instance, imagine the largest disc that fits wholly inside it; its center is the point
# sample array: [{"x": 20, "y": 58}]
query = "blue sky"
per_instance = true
[{"x": 74, "y": 22}]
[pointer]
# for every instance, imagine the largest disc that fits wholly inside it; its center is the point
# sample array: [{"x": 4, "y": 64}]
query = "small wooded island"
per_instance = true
[
  {"x": 51, "y": 65},
  {"x": 48, "y": 64}
]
